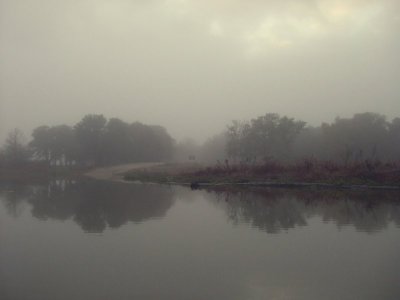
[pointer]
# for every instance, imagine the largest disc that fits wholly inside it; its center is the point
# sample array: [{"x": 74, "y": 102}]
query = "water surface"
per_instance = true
[{"x": 97, "y": 240}]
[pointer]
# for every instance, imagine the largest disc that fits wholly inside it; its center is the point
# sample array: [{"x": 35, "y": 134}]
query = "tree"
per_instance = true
[
  {"x": 89, "y": 133},
  {"x": 64, "y": 146},
  {"x": 213, "y": 149},
  {"x": 151, "y": 143},
  {"x": 235, "y": 133},
  {"x": 309, "y": 144},
  {"x": 96, "y": 141},
  {"x": 364, "y": 136},
  {"x": 15, "y": 151},
  {"x": 268, "y": 136},
  {"x": 118, "y": 144},
  {"x": 161, "y": 143},
  {"x": 394, "y": 139},
  {"x": 41, "y": 143},
  {"x": 55, "y": 144}
]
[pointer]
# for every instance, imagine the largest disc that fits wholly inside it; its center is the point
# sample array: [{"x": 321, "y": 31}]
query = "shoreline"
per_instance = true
[
  {"x": 284, "y": 185},
  {"x": 194, "y": 177},
  {"x": 190, "y": 175}
]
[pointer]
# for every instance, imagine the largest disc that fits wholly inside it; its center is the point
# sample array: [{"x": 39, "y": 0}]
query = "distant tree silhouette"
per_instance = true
[
  {"x": 55, "y": 145},
  {"x": 41, "y": 143},
  {"x": 394, "y": 139},
  {"x": 90, "y": 136},
  {"x": 364, "y": 136},
  {"x": 15, "y": 151},
  {"x": 97, "y": 141},
  {"x": 265, "y": 137}
]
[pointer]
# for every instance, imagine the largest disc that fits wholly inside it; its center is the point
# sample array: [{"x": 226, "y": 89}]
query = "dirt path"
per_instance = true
[{"x": 115, "y": 173}]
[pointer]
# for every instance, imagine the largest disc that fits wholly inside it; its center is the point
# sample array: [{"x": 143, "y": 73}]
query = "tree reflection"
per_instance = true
[
  {"x": 14, "y": 196},
  {"x": 273, "y": 210},
  {"x": 95, "y": 206}
]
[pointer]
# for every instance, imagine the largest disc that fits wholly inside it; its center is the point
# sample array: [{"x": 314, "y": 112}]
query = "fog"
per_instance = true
[{"x": 193, "y": 66}]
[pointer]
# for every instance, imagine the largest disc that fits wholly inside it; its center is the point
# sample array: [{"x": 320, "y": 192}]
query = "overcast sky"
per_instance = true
[{"x": 195, "y": 65}]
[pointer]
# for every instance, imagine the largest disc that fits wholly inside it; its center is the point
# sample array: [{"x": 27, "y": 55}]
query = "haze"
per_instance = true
[{"x": 193, "y": 66}]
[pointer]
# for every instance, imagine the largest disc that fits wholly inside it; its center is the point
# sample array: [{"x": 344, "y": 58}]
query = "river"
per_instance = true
[{"x": 101, "y": 240}]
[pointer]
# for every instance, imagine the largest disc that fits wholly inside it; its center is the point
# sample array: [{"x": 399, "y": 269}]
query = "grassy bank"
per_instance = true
[{"x": 302, "y": 174}]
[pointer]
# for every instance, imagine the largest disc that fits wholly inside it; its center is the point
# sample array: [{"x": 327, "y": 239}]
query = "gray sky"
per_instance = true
[{"x": 195, "y": 65}]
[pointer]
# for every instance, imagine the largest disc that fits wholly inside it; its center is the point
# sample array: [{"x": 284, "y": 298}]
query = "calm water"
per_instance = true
[{"x": 99, "y": 241}]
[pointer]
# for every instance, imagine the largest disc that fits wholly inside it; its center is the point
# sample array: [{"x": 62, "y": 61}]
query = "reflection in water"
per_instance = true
[
  {"x": 194, "y": 251},
  {"x": 98, "y": 205},
  {"x": 273, "y": 210},
  {"x": 14, "y": 196},
  {"x": 93, "y": 205}
]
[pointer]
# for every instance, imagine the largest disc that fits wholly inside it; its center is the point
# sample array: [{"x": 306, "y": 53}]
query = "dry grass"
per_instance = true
[{"x": 306, "y": 171}]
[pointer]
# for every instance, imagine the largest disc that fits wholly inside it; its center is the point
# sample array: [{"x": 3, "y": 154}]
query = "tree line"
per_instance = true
[
  {"x": 96, "y": 141},
  {"x": 93, "y": 141},
  {"x": 364, "y": 136}
]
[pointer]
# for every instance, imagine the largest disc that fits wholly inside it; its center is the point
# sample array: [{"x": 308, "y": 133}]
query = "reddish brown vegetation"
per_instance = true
[{"x": 309, "y": 170}]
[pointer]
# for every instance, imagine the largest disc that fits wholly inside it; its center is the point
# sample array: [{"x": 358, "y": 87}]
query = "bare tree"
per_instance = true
[{"x": 15, "y": 150}]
